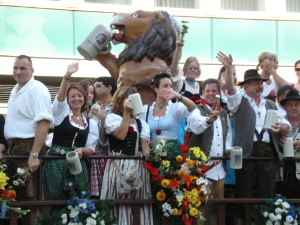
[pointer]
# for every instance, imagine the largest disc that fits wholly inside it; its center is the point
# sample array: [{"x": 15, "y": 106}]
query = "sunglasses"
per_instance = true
[
  {"x": 99, "y": 85},
  {"x": 193, "y": 67},
  {"x": 297, "y": 69}
]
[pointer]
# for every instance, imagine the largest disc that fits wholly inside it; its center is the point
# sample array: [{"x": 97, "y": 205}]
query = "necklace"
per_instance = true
[
  {"x": 160, "y": 105},
  {"x": 78, "y": 117}
]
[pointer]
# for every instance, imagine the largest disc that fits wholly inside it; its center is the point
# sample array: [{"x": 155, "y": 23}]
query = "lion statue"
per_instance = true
[{"x": 150, "y": 39}]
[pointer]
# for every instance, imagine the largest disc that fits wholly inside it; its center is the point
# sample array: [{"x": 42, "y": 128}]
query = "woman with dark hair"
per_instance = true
[
  {"x": 88, "y": 86},
  {"x": 163, "y": 116},
  {"x": 72, "y": 132},
  {"x": 127, "y": 136}
]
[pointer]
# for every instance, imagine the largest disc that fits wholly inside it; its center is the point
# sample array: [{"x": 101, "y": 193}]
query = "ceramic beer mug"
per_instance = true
[
  {"x": 271, "y": 119},
  {"x": 236, "y": 157},
  {"x": 288, "y": 148},
  {"x": 74, "y": 163},
  {"x": 96, "y": 42},
  {"x": 136, "y": 103}
]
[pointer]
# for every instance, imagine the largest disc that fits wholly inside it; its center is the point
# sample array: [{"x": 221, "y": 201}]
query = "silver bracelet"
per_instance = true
[
  {"x": 181, "y": 98},
  {"x": 272, "y": 70}
]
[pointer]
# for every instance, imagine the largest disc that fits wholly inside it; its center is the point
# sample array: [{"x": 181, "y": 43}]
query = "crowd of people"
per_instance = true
[{"x": 95, "y": 118}]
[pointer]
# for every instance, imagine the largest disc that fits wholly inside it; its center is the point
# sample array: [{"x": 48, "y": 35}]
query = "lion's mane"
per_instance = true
[{"x": 159, "y": 40}]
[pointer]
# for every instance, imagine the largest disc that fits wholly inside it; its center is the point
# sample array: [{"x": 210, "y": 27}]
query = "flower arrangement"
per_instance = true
[
  {"x": 179, "y": 179},
  {"x": 277, "y": 211},
  {"x": 80, "y": 210},
  {"x": 7, "y": 194}
]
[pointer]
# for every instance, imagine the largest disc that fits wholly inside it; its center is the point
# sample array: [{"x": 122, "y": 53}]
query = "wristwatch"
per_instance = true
[
  {"x": 34, "y": 154},
  {"x": 208, "y": 122}
]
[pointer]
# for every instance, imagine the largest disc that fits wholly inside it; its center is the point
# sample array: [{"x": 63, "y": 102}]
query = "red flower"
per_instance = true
[
  {"x": 184, "y": 148},
  {"x": 148, "y": 166},
  {"x": 154, "y": 171},
  {"x": 158, "y": 132},
  {"x": 186, "y": 219},
  {"x": 193, "y": 98},
  {"x": 130, "y": 129},
  {"x": 4, "y": 193},
  {"x": 187, "y": 137}
]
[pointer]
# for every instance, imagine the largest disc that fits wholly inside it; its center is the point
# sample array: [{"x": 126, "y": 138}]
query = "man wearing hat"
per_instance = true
[
  {"x": 249, "y": 111},
  {"x": 291, "y": 175}
]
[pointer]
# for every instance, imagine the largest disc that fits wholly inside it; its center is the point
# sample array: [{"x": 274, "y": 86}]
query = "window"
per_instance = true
[
  {"x": 189, "y": 4},
  {"x": 293, "y": 6},
  {"x": 243, "y": 5},
  {"x": 120, "y": 2}
]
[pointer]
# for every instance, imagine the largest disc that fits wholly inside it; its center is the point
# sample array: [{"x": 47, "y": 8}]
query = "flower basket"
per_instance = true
[
  {"x": 277, "y": 211},
  {"x": 179, "y": 179}
]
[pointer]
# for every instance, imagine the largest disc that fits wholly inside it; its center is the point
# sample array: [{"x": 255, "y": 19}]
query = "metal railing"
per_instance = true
[{"x": 45, "y": 206}]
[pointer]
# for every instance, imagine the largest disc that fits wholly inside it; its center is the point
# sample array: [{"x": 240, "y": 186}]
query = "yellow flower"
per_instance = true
[
  {"x": 181, "y": 173},
  {"x": 190, "y": 164},
  {"x": 165, "y": 183},
  {"x": 193, "y": 212},
  {"x": 193, "y": 200},
  {"x": 160, "y": 196},
  {"x": 3, "y": 180},
  {"x": 175, "y": 212},
  {"x": 165, "y": 163},
  {"x": 179, "y": 158},
  {"x": 194, "y": 192},
  {"x": 198, "y": 203}
]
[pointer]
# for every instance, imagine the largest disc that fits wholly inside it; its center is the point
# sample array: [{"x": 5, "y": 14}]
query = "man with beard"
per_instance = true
[{"x": 249, "y": 111}]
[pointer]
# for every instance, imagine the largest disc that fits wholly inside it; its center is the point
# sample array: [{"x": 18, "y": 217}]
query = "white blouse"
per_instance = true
[
  {"x": 62, "y": 109},
  {"x": 113, "y": 121}
]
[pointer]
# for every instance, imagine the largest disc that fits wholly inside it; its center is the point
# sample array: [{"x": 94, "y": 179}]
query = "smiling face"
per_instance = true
[
  {"x": 22, "y": 71},
  {"x": 192, "y": 71},
  {"x": 209, "y": 93},
  {"x": 254, "y": 88},
  {"x": 292, "y": 108},
  {"x": 75, "y": 99}
]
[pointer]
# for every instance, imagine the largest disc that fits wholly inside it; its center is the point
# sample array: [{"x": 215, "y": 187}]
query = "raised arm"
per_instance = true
[
  {"x": 175, "y": 62},
  {"x": 62, "y": 93},
  {"x": 268, "y": 70},
  {"x": 229, "y": 79},
  {"x": 171, "y": 94},
  {"x": 121, "y": 131}
]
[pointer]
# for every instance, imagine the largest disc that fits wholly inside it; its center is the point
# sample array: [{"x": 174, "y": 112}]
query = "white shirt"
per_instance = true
[
  {"x": 281, "y": 112},
  {"x": 28, "y": 106},
  {"x": 62, "y": 109},
  {"x": 197, "y": 124},
  {"x": 234, "y": 101},
  {"x": 269, "y": 87},
  {"x": 113, "y": 121}
]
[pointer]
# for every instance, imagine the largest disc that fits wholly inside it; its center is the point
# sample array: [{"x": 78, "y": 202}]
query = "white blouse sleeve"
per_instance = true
[
  {"x": 180, "y": 111},
  {"x": 145, "y": 134},
  {"x": 112, "y": 121},
  {"x": 93, "y": 135},
  {"x": 60, "y": 110}
]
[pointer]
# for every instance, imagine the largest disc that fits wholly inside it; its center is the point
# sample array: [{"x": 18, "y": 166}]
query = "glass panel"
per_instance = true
[
  {"x": 190, "y": 4},
  {"x": 292, "y": 5},
  {"x": 120, "y": 2},
  {"x": 243, "y": 5}
]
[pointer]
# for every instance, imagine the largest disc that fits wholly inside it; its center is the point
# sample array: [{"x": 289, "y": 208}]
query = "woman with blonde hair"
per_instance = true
[
  {"x": 268, "y": 64},
  {"x": 188, "y": 87}
]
